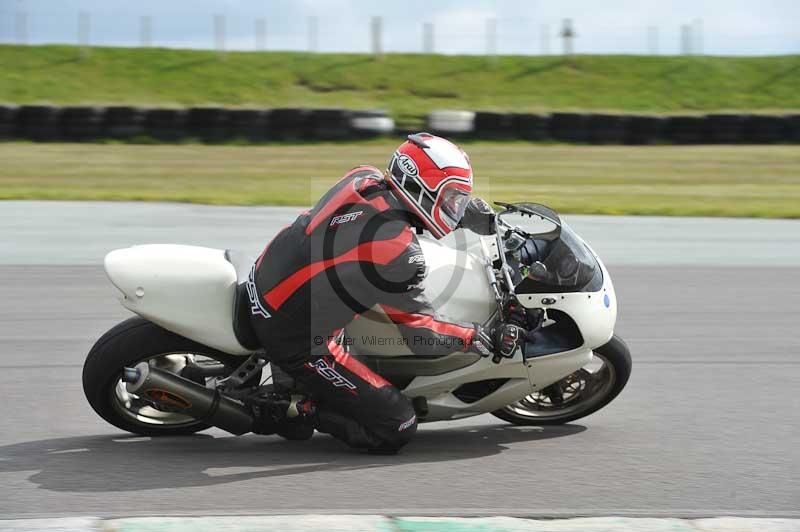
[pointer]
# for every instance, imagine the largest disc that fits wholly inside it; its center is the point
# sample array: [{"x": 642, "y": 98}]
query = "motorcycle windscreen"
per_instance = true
[{"x": 561, "y": 265}]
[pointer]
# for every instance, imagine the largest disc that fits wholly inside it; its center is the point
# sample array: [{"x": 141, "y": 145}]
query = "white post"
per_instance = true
[
  {"x": 21, "y": 27},
  {"x": 146, "y": 31},
  {"x": 376, "y": 27},
  {"x": 491, "y": 38},
  {"x": 686, "y": 39},
  {"x": 544, "y": 39},
  {"x": 261, "y": 34},
  {"x": 567, "y": 33},
  {"x": 219, "y": 33},
  {"x": 427, "y": 38},
  {"x": 313, "y": 31},
  {"x": 697, "y": 34},
  {"x": 652, "y": 40},
  {"x": 84, "y": 28}
]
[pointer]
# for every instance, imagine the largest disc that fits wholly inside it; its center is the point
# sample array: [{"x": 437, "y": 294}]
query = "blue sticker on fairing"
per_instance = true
[{"x": 607, "y": 301}]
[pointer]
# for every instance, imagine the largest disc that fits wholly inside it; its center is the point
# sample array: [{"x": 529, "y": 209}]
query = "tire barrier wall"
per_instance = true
[
  {"x": 166, "y": 124},
  {"x": 123, "y": 122},
  {"x": 207, "y": 124},
  {"x": 598, "y": 128},
  {"x": 38, "y": 122},
  {"x": 218, "y": 124},
  {"x": 81, "y": 123},
  {"x": 8, "y": 120}
]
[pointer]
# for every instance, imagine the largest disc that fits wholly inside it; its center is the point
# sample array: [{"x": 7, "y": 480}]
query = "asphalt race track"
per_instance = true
[{"x": 708, "y": 424}]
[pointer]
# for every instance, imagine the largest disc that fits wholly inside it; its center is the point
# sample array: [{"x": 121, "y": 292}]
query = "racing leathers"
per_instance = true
[{"x": 355, "y": 250}]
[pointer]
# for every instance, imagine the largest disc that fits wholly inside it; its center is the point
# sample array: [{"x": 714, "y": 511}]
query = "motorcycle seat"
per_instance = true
[{"x": 242, "y": 328}]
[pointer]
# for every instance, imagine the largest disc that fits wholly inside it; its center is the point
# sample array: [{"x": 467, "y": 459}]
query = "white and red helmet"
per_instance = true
[{"x": 433, "y": 177}]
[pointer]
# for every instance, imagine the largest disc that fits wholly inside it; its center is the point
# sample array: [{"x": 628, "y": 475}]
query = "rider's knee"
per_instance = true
[{"x": 403, "y": 429}]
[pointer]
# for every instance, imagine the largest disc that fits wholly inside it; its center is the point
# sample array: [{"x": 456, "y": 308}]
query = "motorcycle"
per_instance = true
[{"x": 189, "y": 359}]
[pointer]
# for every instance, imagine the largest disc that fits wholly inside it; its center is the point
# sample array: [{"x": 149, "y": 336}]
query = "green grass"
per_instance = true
[
  {"x": 761, "y": 181},
  {"x": 407, "y": 85}
]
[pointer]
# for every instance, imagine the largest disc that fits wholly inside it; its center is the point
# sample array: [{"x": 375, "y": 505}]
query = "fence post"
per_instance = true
[
  {"x": 491, "y": 39},
  {"x": 427, "y": 38},
  {"x": 376, "y": 26},
  {"x": 544, "y": 39},
  {"x": 219, "y": 34},
  {"x": 261, "y": 34},
  {"x": 697, "y": 34},
  {"x": 652, "y": 40},
  {"x": 84, "y": 28},
  {"x": 686, "y": 39},
  {"x": 21, "y": 25},
  {"x": 567, "y": 33},
  {"x": 313, "y": 31},
  {"x": 146, "y": 31}
]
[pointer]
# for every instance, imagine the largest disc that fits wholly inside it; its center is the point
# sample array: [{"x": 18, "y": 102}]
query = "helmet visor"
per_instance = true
[{"x": 454, "y": 203}]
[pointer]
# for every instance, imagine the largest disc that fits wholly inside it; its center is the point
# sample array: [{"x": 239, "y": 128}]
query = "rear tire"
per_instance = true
[
  {"x": 615, "y": 353},
  {"x": 127, "y": 344}
]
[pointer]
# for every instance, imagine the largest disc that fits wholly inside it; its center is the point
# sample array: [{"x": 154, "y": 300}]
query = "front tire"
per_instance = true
[
  {"x": 585, "y": 392},
  {"x": 126, "y": 344}
]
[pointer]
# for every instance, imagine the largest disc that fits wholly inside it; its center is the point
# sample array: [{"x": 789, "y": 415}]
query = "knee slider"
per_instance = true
[
  {"x": 399, "y": 430},
  {"x": 407, "y": 428}
]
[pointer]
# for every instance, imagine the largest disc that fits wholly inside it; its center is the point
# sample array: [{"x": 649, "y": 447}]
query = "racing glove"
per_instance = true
[
  {"x": 501, "y": 342},
  {"x": 482, "y": 342},
  {"x": 508, "y": 337},
  {"x": 479, "y": 217}
]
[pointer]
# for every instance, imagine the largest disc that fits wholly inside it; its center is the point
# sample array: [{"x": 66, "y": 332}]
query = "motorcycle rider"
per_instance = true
[{"x": 356, "y": 249}]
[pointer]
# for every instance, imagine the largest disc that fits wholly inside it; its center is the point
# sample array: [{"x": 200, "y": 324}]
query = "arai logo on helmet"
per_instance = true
[{"x": 407, "y": 165}]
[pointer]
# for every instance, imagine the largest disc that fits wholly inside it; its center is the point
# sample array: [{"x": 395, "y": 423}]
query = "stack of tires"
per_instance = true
[
  {"x": 248, "y": 124},
  {"x": 493, "y": 125},
  {"x": 792, "y": 128},
  {"x": 645, "y": 129},
  {"x": 39, "y": 122},
  {"x": 124, "y": 122},
  {"x": 569, "y": 127},
  {"x": 686, "y": 129},
  {"x": 763, "y": 129},
  {"x": 530, "y": 126},
  {"x": 724, "y": 128},
  {"x": 451, "y": 123},
  {"x": 81, "y": 123},
  {"x": 329, "y": 124},
  {"x": 371, "y": 123},
  {"x": 165, "y": 124},
  {"x": 606, "y": 129},
  {"x": 209, "y": 124},
  {"x": 8, "y": 122},
  {"x": 289, "y": 124}
]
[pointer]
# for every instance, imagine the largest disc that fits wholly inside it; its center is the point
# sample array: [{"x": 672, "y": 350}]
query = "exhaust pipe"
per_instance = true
[{"x": 187, "y": 397}]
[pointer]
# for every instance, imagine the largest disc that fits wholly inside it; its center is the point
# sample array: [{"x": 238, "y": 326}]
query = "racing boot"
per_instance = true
[{"x": 297, "y": 423}]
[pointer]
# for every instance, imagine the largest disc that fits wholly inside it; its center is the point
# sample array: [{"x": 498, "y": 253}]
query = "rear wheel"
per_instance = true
[
  {"x": 577, "y": 395},
  {"x": 138, "y": 340}
]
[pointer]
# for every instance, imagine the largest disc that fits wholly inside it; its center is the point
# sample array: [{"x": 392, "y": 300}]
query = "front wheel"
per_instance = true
[
  {"x": 138, "y": 340},
  {"x": 577, "y": 395}
]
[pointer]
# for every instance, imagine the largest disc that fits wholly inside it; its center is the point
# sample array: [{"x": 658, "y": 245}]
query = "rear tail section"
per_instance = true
[{"x": 188, "y": 290}]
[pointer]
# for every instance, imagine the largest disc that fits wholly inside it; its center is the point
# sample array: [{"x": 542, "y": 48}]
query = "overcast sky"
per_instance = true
[{"x": 729, "y": 27}]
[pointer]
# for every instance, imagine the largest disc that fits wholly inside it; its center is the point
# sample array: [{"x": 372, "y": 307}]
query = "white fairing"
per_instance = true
[
  {"x": 595, "y": 317},
  {"x": 457, "y": 287},
  {"x": 185, "y": 289},
  {"x": 595, "y": 314}
]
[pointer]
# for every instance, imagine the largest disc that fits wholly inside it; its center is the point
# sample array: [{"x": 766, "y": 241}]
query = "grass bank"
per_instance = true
[
  {"x": 761, "y": 181},
  {"x": 408, "y": 85}
]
